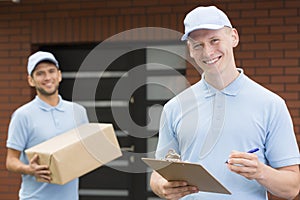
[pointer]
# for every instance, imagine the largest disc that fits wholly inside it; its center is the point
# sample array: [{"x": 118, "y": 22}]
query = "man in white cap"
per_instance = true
[
  {"x": 42, "y": 118},
  {"x": 227, "y": 117}
]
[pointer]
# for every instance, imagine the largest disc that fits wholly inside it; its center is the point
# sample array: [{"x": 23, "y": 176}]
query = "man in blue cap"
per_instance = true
[
  {"x": 227, "y": 117},
  {"x": 42, "y": 118}
]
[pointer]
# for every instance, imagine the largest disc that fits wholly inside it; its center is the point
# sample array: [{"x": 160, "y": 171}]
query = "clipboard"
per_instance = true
[{"x": 194, "y": 174}]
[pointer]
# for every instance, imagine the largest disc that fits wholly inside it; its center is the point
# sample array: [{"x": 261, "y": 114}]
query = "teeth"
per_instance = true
[{"x": 211, "y": 61}]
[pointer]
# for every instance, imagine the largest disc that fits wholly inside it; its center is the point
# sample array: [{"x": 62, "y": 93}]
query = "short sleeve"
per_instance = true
[
  {"x": 166, "y": 139},
  {"x": 17, "y": 132},
  {"x": 281, "y": 144}
]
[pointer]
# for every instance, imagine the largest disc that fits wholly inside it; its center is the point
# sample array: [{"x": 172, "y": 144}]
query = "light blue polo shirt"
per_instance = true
[
  {"x": 241, "y": 117},
  {"x": 36, "y": 122}
]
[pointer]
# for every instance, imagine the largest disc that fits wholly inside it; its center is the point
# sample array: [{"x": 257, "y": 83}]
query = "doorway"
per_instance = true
[{"x": 129, "y": 92}]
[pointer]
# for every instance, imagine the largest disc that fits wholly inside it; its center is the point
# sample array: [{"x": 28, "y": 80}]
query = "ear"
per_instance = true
[
  {"x": 30, "y": 81},
  {"x": 235, "y": 37},
  {"x": 60, "y": 76}
]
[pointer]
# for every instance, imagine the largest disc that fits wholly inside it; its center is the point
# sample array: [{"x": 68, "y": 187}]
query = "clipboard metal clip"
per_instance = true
[{"x": 172, "y": 156}]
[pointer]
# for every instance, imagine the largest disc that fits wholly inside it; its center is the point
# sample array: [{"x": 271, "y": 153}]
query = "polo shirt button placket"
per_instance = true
[
  {"x": 55, "y": 120},
  {"x": 219, "y": 106}
]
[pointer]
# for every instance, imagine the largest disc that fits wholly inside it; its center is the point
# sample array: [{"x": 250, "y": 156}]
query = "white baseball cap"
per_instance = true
[
  {"x": 204, "y": 17},
  {"x": 38, "y": 57}
]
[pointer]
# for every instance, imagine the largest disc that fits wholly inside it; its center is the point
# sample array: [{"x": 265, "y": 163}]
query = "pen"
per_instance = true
[
  {"x": 253, "y": 150},
  {"x": 250, "y": 151}
]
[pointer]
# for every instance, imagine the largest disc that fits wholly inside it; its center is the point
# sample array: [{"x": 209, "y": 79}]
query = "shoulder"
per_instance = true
[
  {"x": 76, "y": 110},
  {"x": 187, "y": 99},
  {"x": 24, "y": 110},
  {"x": 261, "y": 93},
  {"x": 263, "y": 100},
  {"x": 73, "y": 105}
]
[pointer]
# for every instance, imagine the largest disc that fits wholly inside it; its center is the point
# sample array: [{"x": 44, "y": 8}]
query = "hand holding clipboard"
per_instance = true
[{"x": 194, "y": 174}]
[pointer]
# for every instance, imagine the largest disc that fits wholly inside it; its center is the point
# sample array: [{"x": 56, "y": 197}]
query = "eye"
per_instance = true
[
  {"x": 53, "y": 70},
  {"x": 196, "y": 46},
  {"x": 39, "y": 73},
  {"x": 215, "y": 40}
]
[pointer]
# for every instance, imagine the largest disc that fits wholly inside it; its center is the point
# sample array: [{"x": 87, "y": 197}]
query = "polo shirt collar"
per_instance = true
[
  {"x": 46, "y": 107},
  {"x": 231, "y": 90}
]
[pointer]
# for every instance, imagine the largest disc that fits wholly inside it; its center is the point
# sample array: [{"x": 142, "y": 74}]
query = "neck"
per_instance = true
[
  {"x": 52, "y": 100},
  {"x": 221, "y": 80}
]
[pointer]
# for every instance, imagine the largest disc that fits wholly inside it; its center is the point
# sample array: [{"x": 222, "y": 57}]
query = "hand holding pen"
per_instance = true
[
  {"x": 246, "y": 164},
  {"x": 250, "y": 151}
]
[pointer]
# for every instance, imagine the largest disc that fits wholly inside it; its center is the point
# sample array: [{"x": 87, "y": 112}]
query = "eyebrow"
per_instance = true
[
  {"x": 191, "y": 40},
  {"x": 210, "y": 38}
]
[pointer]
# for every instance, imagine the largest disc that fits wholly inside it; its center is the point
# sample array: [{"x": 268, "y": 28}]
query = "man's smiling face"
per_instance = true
[{"x": 212, "y": 50}]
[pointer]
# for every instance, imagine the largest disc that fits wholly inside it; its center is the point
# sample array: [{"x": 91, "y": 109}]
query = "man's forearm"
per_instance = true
[
  {"x": 154, "y": 183},
  {"x": 283, "y": 182},
  {"x": 15, "y": 165}
]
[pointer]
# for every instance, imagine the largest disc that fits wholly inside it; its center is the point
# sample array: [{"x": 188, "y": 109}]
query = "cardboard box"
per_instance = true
[{"x": 78, "y": 151}]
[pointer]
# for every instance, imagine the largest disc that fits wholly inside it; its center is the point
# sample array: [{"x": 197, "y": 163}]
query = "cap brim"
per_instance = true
[
  {"x": 203, "y": 26},
  {"x": 47, "y": 60},
  {"x": 43, "y": 60}
]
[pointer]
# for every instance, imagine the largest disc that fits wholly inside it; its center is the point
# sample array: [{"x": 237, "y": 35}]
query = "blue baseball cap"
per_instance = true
[
  {"x": 204, "y": 17},
  {"x": 38, "y": 57}
]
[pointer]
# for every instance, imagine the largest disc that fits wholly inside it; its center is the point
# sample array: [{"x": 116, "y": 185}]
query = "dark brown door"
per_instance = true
[{"x": 117, "y": 85}]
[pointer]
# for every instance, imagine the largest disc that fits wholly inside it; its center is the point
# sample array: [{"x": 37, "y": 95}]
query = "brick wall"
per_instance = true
[{"x": 268, "y": 50}]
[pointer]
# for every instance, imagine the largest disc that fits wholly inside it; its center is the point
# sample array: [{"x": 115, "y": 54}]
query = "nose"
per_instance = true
[
  {"x": 47, "y": 76},
  {"x": 208, "y": 50}
]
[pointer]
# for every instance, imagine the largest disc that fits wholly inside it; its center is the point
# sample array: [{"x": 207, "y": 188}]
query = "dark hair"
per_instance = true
[{"x": 42, "y": 61}]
